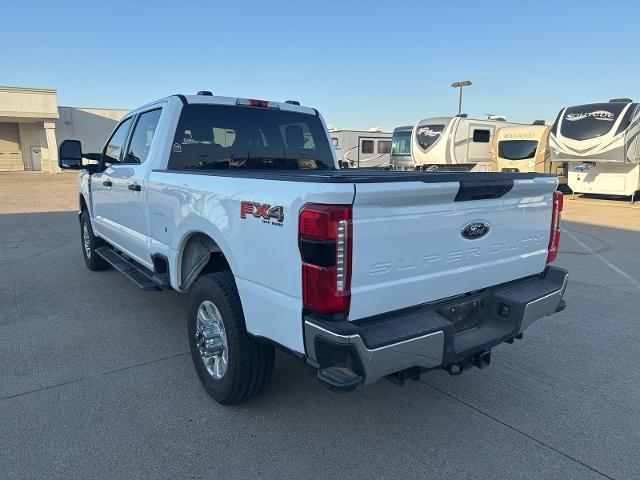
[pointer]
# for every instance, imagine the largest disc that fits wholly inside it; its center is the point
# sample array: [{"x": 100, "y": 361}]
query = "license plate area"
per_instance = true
[{"x": 464, "y": 315}]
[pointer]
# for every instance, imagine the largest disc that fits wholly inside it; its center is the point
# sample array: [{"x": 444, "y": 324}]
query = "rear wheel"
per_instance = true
[
  {"x": 232, "y": 366},
  {"x": 90, "y": 243}
]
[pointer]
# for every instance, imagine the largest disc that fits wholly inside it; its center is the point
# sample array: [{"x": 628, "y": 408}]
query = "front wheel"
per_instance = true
[
  {"x": 232, "y": 366},
  {"x": 90, "y": 243}
]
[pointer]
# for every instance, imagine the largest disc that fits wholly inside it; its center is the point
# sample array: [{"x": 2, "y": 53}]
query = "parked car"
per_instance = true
[{"x": 361, "y": 274}]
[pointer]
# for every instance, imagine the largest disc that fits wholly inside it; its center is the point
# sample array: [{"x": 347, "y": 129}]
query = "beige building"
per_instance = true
[{"x": 32, "y": 126}]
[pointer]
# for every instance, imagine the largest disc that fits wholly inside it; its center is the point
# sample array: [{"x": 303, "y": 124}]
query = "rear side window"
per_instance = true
[
  {"x": 113, "y": 151},
  {"x": 384, "y": 147},
  {"x": 142, "y": 136},
  {"x": 481, "y": 136},
  {"x": 367, "y": 146},
  {"x": 214, "y": 137}
]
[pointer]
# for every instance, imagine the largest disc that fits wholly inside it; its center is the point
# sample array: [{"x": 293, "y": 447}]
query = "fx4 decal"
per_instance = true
[{"x": 263, "y": 211}]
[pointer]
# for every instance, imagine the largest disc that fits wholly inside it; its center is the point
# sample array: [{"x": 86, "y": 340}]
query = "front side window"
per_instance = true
[
  {"x": 367, "y": 146},
  {"x": 113, "y": 151},
  {"x": 142, "y": 136},
  {"x": 384, "y": 147},
  {"x": 213, "y": 137},
  {"x": 401, "y": 144},
  {"x": 517, "y": 149},
  {"x": 427, "y": 135},
  {"x": 481, "y": 136}
]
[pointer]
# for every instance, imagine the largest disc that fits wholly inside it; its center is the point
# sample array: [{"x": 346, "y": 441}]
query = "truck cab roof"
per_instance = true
[{"x": 219, "y": 100}]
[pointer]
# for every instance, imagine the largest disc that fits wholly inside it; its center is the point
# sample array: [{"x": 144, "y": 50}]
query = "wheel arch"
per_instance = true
[
  {"x": 82, "y": 203},
  {"x": 199, "y": 253}
]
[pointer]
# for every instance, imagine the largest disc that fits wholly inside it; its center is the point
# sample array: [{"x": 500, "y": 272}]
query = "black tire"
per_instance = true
[
  {"x": 91, "y": 258},
  {"x": 250, "y": 363}
]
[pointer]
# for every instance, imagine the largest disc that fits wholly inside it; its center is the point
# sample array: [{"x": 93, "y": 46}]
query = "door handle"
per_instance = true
[
  {"x": 135, "y": 187},
  {"x": 107, "y": 183}
]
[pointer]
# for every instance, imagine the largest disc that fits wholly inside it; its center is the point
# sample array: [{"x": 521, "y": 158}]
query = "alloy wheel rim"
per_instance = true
[{"x": 211, "y": 340}]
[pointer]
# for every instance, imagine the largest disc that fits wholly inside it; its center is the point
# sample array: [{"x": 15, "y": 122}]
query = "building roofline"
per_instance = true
[
  {"x": 7, "y": 88},
  {"x": 357, "y": 131},
  {"x": 94, "y": 108}
]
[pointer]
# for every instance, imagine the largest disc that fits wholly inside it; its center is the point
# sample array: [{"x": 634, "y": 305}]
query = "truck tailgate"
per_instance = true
[{"x": 409, "y": 245}]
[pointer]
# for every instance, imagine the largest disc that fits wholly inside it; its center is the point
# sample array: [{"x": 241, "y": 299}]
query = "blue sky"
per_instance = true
[{"x": 362, "y": 64}]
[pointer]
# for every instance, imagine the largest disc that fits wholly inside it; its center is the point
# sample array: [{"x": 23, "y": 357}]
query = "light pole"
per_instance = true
[{"x": 460, "y": 85}]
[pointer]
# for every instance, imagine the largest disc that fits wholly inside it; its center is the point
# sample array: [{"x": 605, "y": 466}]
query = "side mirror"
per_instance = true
[{"x": 70, "y": 155}]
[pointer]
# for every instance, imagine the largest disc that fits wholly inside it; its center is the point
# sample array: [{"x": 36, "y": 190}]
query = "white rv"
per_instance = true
[
  {"x": 600, "y": 143},
  {"x": 362, "y": 149},
  {"x": 450, "y": 144}
]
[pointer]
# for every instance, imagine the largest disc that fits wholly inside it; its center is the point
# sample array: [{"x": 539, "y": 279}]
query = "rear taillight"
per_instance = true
[
  {"x": 554, "y": 240},
  {"x": 325, "y": 239}
]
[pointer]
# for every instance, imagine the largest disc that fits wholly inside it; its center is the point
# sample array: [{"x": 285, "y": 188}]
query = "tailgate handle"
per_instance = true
[{"x": 483, "y": 189}]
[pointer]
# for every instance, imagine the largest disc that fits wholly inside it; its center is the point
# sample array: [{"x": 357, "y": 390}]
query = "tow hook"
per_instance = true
[{"x": 481, "y": 360}]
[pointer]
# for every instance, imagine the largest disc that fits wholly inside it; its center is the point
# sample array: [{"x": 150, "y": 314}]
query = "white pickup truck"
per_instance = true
[{"x": 360, "y": 274}]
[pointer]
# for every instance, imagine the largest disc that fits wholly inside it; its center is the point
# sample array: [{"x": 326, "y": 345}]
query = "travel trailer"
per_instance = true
[
  {"x": 525, "y": 148},
  {"x": 449, "y": 144},
  {"x": 362, "y": 149},
  {"x": 600, "y": 143}
]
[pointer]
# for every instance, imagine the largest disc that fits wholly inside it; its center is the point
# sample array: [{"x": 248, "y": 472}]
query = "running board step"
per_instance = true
[
  {"x": 339, "y": 379},
  {"x": 131, "y": 271},
  {"x": 161, "y": 279}
]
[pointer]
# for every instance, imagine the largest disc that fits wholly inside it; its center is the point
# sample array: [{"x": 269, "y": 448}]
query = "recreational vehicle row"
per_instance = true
[
  {"x": 446, "y": 144},
  {"x": 466, "y": 144},
  {"x": 593, "y": 148}
]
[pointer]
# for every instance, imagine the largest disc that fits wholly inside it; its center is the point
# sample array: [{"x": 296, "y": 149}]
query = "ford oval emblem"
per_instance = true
[{"x": 474, "y": 230}]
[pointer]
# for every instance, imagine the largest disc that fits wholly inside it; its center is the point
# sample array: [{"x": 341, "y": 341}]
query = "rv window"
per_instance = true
[
  {"x": 335, "y": 141},
  {"x": 427, "y": 135},
  {"x": 367, "y": 146},
  {"x": 211, "y": 137},
  {"x": 481, "y": 136},
  {"x": 590, "y": 121},
  {"x": 517, "y": 149},
  {"x": 384, "y": 147},
  {"x": 401, "y": 143}
]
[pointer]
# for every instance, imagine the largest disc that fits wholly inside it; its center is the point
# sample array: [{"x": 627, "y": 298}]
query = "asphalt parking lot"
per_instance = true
[{"x": 96, "y": 380}]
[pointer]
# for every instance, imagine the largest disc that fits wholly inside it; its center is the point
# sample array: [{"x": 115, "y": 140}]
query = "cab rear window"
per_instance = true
[{"x": 221, "y": 137}]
